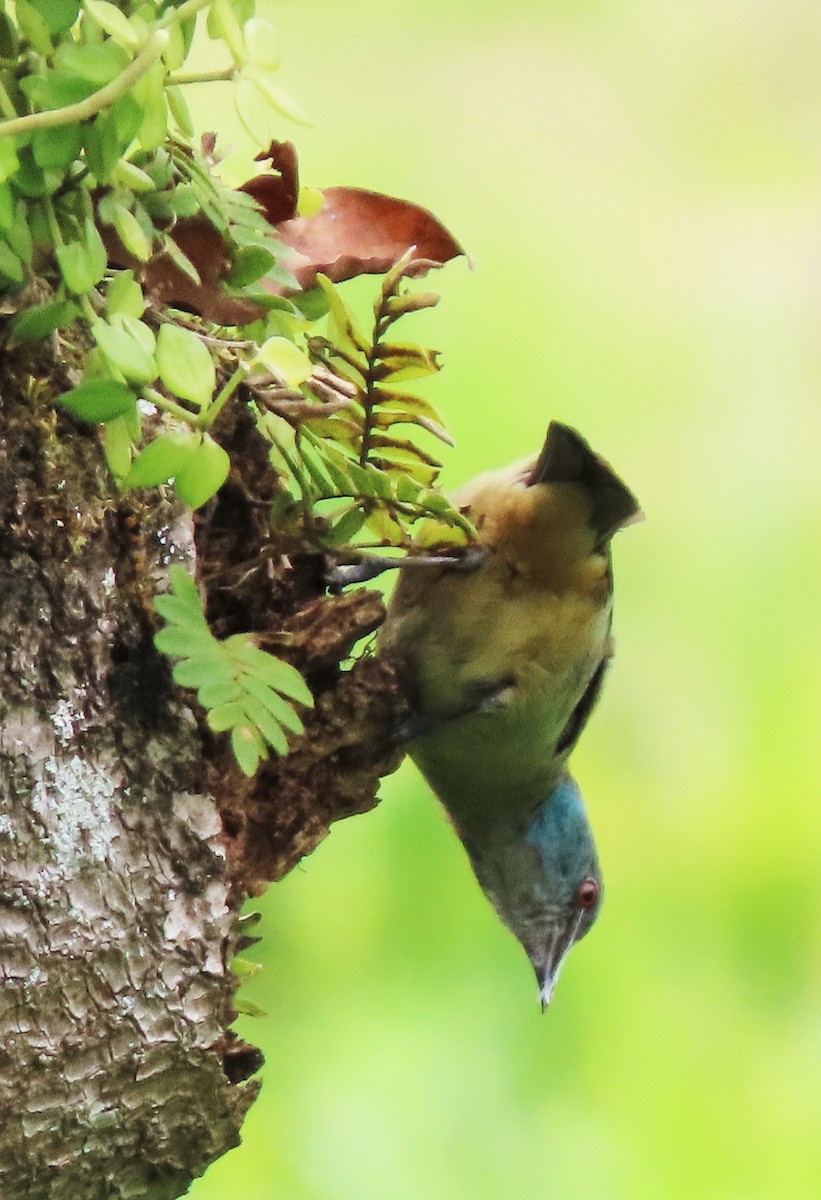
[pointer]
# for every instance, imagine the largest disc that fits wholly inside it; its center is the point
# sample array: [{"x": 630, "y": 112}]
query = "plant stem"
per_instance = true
[
  {"x": 98, "y": 100},
  {"x": 181, "y": 79},
  {"x": 88, "y": 311},
  {"x": 52, "y": 222},
  {"x": 170, "y": 406},
  {"x": 224, "y": 396},
  {"x": 174, "y": 15}
]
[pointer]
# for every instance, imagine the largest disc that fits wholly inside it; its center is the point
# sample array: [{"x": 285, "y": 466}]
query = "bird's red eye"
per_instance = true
[{"x": 587, "y": 893}]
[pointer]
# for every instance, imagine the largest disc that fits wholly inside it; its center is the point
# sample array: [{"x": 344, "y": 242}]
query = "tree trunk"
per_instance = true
[{"x": 128, "y": 838}]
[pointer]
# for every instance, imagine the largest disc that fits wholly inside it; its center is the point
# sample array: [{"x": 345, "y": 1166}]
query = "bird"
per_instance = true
[{"x": 505, "y": 663}]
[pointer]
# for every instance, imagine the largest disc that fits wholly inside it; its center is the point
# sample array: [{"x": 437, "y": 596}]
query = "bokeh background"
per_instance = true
[{"x": 639, "y": 184}]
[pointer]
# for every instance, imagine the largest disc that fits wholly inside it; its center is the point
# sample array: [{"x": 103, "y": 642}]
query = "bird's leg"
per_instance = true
[{"x": 369, "y": 566}]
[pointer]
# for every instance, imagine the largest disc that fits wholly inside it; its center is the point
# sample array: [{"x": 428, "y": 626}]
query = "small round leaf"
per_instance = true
[
  {"x": 98, "y": 400},
  {"x": 204, "y": 473},
  {"x": 185, "y": 365}
]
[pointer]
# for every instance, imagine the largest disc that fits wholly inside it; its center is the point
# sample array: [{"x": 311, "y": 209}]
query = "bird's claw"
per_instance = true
[{"x": 370, "y": 566}]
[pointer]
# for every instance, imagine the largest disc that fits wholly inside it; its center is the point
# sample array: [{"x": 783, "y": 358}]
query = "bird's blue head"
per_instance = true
[
  {"x": 542, "y": 877},
  {"x": 567, "y": 883}
]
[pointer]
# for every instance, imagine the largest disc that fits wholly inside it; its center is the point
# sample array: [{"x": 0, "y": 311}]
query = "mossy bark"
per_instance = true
[{"x": 128, "y": 838}]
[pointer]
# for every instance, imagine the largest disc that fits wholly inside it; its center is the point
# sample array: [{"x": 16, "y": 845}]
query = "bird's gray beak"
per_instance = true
[{"x": 549, "y": 962}]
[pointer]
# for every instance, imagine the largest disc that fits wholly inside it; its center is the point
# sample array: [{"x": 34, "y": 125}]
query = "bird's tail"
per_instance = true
[{"x": 567, "y": 458}]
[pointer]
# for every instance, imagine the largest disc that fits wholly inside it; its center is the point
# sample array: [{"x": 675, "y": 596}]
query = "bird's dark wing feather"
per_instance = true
[
  {"x": 581, "y": 713},
  {"x": 567, "y": 458}
]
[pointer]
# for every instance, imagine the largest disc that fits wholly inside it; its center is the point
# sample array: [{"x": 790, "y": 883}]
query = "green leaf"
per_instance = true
[
  {"x": 338, "y": 467},
  {"x": 6, "y": 207},
  {"x": 98, "y": 400},
  {"x": 183, "y": 642},
  {"x": 183, "y": 585},
  {"x": 117, "y": 446},
  {"x": 185, "y": 365},
  {"x": 179, "y": 259},
  {"x": 286, "y": 360},
  {"x": 9, "y": 41},
  {"x": 225, "y": 716},
  {"x": 126, "y": 350},
  {"x": 309, "y": 202},
  {"x": 176, "y": 52},
  {"x": 253, "y": 110},
  {"x": 98, "y": 63},
  {"x": 162, "y": 459},
  {"x": 130, "y": 232},
  {"x": 369, "y": 482},
  {"x": 385, "y": 527},
  {"x": 56, "y": 149},
  {"x": 128, "y": 116},
  {"x": 179, "y": 610},
  {"x": 267, "y": 724},
  {"x": 58, "y": 15},
  {"x": 76, "y": 267},
  {"x": 208, "y": 675},
  {"x": 342, "y": 328},
  {"x": 54, "y": 89},
  {"x": 399, "y": 361},
  {"x": 315, "y": 467},
  {"x": 153, "y": 129},
  {"x": 124, "y": 296},
  {"x": 127, "y": 175},
  {"x": 38, "y": 225},
  {"x": 204, "y": 473},
  {"x": 187, "y": 642},
  {"x": 12, "y": 271},
  {"x": 345, "y": 528},
  {"x": 103, "y": 146},
  {"x": 407, "y": 302},
  {"x": 399, "y": 463},
  {"x": 384, "y": 420},
  {"x": 97, "y": 253},
  {"x": 30, "y": 179},
  {"x": 9, "y": 162},
  {"x": 180, "y": 111},
  {"x": 19, "y": 236},
  {"x": 408, "y": 490},
  {"x": 262, "y": 41},
  {"x": 248, "y": 749},
  {"x": 280, "y": 709},
  {"x": 218, "y": 691},
  {"x": 274, "y": 95},
  {"x": 277, "y": 674},
  {"x": 183, "y": 200},
  {"x": 115, "y": 23},
  {"x": 33, "y": 324},
  {"x": 223, "y": 23},
  {"x": 33, "y": 27},
  {"x": 250, "y": 263}
]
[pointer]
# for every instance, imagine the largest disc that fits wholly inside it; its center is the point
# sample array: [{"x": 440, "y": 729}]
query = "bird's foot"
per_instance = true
[{"x": 370, "y": 566}]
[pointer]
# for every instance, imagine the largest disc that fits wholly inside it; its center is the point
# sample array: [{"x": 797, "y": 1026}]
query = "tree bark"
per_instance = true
[{"x": 128, "y": 838}]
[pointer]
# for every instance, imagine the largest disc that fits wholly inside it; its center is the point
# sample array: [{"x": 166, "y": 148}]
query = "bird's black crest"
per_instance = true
[{"x": 567, "y": 458}]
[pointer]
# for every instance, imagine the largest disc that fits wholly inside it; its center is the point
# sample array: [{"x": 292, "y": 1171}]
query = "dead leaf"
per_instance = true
[
  {"x": 358, "y": 232},
  {"x": 276, "y": 194}
]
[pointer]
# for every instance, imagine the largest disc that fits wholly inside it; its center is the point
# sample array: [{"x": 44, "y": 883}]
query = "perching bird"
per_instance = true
[{"x": 506, "y": 662}]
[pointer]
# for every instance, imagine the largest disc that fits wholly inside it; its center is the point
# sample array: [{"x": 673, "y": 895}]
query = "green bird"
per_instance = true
[{"x": 506, "y": 663}]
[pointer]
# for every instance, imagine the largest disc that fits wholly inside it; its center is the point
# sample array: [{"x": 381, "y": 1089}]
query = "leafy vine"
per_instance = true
[{"x": 174, "y": 294}]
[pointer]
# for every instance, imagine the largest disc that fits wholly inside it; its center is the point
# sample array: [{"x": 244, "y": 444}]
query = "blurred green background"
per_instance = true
[{"x": 639, "y": 184}]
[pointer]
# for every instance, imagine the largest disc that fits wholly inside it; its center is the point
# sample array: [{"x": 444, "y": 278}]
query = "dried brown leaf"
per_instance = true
[{"x": 358, "y": 232}]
